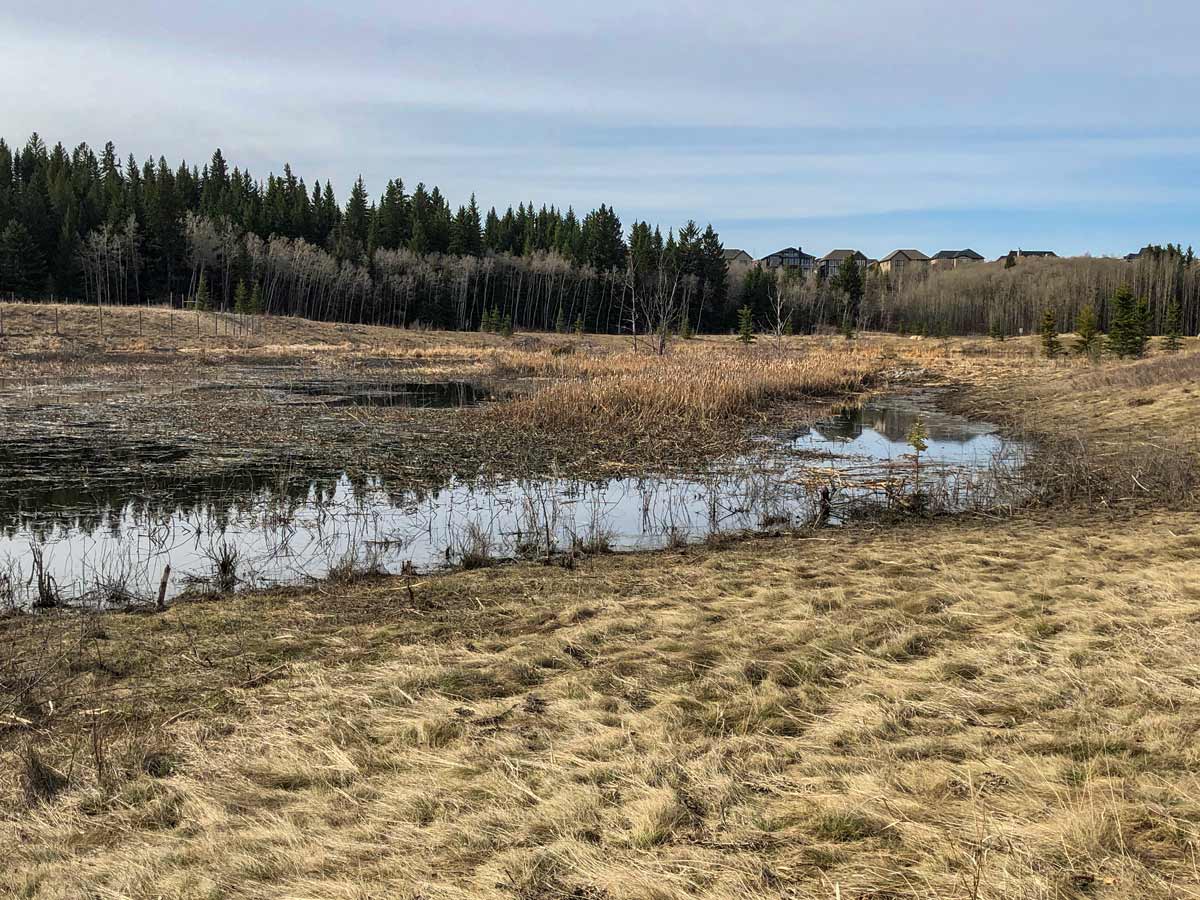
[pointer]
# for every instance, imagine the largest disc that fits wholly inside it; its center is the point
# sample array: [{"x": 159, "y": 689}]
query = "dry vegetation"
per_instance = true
[
  {"x": 698, "y": 386},
  {"x": 963, "y": 710},
  {"x": 967, "y": 708}
]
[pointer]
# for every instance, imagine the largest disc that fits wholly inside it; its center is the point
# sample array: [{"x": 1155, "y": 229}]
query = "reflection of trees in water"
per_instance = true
[
  {"x": 893, "y": 422},
  {"x": 421, "y": 395},
  {"x": 112, "y": 502}
]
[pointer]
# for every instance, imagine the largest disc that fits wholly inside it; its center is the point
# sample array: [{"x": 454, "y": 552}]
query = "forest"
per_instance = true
[{"x": 75, "y": 225}]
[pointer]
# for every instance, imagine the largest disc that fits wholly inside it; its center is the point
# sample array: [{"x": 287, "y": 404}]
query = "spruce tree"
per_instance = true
[
  {"x": 241, "y": 299},
  {"x": 1173, "y": 332},
  {"x": 746, "y": 325},
  {"x": 1048, "y": 329},
  {"x": 1088, "y": 332},
  {"x": 257, "y": 306},
  {"x": 560, "y": 322},
  {"x": 579, "y": 325},
  {"x": 1140, "y": 341},
  {"x": 996, "y": 329},
  {"x": 203, "y": 301},
  {"x": 1123, "y": 324}
]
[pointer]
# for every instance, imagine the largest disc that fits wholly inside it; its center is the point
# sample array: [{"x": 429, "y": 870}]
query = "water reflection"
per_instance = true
[
  {"x": 116, "y": 537},
  {"x": 418, "y": 395}
]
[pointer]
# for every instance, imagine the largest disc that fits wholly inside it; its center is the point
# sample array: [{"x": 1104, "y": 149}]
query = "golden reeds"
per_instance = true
[{"x": 693, "y": 387}]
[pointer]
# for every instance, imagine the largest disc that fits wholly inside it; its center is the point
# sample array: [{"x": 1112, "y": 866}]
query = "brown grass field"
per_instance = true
[{"x": 972, "y": 708}]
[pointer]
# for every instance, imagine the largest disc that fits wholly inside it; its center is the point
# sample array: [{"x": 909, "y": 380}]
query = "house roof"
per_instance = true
[
  {"x": 957, "y": 254},
  {"x": 840, "y": 255},
  {"x": 790, "y": 250},
  {"x": 914, "y": 255},
  {"x": 731, "y": 253},
  {"x": 1031, "y": 253}
]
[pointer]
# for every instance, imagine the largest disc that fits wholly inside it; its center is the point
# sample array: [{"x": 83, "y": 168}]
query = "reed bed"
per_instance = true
[{"x": 692, "y": 388}]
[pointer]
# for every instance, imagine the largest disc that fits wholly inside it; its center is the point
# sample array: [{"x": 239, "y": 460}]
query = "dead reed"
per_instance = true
[{"x": 693, "y": 387}]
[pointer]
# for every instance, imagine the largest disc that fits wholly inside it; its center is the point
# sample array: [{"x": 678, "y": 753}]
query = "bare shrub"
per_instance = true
[{"x": 475, "y": 547}]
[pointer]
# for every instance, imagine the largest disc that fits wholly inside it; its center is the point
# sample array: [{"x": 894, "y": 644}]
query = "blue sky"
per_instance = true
[{"x": 1071, "y": 126}]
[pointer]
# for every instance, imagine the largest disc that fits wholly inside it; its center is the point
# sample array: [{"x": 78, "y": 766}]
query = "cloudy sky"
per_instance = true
[{"x": 1063, "y": 125}]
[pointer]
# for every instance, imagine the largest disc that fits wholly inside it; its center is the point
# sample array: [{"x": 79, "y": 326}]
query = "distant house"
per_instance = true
[
  {"x": 952, "y": 259},
  {"x": 1018, "y": 255},
  {"x": 791, "y": 258},
  {"x": 737, "y": 256},
  {"x": 828, "y": 265},
  {"x": 899, "y": 261}
]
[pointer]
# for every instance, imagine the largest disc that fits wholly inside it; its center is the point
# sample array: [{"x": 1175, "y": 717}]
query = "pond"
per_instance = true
[{"x": 79, "y": 542}]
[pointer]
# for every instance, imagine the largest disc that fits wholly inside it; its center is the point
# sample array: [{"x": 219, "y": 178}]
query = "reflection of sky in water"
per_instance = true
[
  {"x": 880, "y": 431},
  {"x": 287, "y": 535}
]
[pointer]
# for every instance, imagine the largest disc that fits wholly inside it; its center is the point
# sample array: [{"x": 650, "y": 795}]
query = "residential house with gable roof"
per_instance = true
[
  {"x": 952, "y": 259},
  {"x": 899, "y": 261}
]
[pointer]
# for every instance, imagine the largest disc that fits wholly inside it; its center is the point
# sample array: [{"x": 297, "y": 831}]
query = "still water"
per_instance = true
[{"x": 112, "y": 544}]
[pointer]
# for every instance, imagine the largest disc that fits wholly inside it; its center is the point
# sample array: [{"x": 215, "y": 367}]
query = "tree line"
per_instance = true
[
  {"x": 80, "y": 225},
  {"x": 983, "y": 298},
  {"x": 1007, "y": 300}
]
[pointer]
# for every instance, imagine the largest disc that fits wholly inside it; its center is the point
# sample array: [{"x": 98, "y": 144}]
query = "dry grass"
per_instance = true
[
  {"x": 947, "y": 710},
  {"x": 696, "y": 386},
  {"x": 897, "y": 714}
]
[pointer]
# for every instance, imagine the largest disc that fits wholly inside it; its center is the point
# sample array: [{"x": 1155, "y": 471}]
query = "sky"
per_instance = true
[{"x": 1070, "y": 126}]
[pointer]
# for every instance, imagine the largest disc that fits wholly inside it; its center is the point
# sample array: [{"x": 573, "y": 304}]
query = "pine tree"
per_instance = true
[
  {"x": 1048, "y": 329},
  {"x": 579, "y": 325},
  {"x": 203, "y": 301},
  {"x": 1173, "y": 331},
  {"x": 746, "y": 325},
  {"x": 996, "y": 330},
  {"x": 257, "y": 306},
  {"x": 560, "y": 323},
  {"x": 506, "y": 327},
  {"x": 1088, "y": 331}
]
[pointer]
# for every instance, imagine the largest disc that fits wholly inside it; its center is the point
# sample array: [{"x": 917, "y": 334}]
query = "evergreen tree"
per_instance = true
[
  {"x": 1123, "y": 324},
  {"x": 1048, "y": 329},
  {"x": 241, "y": 298},
  {"x": 579, "y": 325},
  {"x": 1144, "y": 323},
  {"x": 257, "y": 306},
  {"x": 560, "y": 323},
  {"x": 849, "y": 280},
  {"x": 1088, "y": 332},
  {"x": 357, "y": 221},
  {"x": 22, "y": 266},
  {"x": 996, "y": 330},
  {"x": 746, "y": 325},
  {"x": 203, "y": 301},
  {"x": 1173, "y": 330}
]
